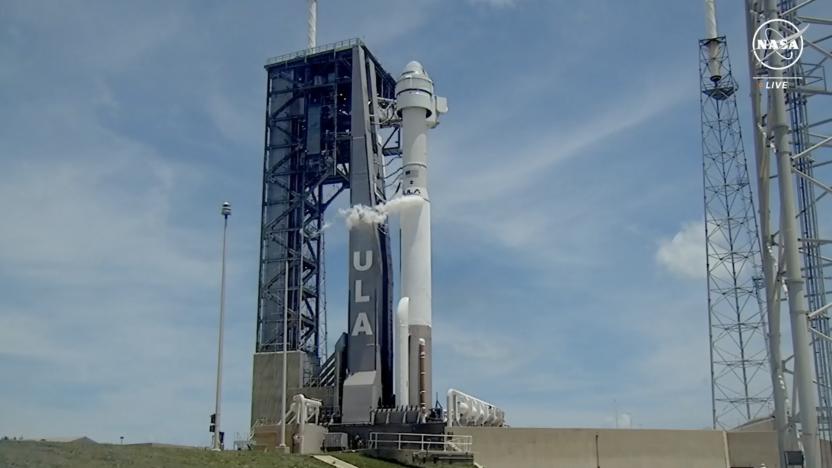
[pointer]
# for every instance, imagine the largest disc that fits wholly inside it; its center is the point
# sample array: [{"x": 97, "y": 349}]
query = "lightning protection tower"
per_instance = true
[{"x": 740, "y": 379}]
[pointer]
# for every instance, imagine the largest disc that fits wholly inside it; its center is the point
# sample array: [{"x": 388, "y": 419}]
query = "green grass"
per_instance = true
[
  {"x": 364, "y": 461},
  {"x": 15, "y": 454}
]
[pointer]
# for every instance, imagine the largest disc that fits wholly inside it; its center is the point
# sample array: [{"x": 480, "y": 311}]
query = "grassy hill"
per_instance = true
[{"x": 15, "y": 454}]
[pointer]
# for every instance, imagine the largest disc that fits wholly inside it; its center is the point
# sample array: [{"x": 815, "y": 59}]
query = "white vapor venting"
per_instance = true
[
  {"x": 361, "y": 214},
  {"x": 313, "y": 233}
]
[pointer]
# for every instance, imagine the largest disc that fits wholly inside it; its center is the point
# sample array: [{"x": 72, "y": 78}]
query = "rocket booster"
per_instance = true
[
  {"x": 419, "y": 109},
  {"x": 402, "y": 334}
]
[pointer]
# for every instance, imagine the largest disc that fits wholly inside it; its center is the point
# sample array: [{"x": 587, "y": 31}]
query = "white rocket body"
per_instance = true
[
  {"x": 402, "y": 334},
  {"x": 419, "y": 109},
  {"x": 415, "y": 220}
]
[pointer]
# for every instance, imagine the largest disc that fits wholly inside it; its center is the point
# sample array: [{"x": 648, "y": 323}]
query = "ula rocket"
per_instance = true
[{"x": 419, "y": 109}]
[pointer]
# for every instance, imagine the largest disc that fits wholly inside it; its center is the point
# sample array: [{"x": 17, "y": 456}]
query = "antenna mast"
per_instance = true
[{"x": 312, "y": 25}]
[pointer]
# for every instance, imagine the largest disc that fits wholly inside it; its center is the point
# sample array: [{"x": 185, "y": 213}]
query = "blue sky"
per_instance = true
[{"x": 566, "y": 194}]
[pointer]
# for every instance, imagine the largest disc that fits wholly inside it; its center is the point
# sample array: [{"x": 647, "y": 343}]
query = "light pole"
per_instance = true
[{"x": 225, "y": 211}]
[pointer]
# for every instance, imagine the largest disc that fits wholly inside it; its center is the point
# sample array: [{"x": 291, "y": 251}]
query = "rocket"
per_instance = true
[{"x": 419, "y": 109}]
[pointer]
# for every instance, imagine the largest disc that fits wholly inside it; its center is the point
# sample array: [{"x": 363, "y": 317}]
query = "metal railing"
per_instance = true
[
  {"x": 421, "y": 442},
  {"x": 240, "y": 443},
  {"x": 335, "y": 46}
]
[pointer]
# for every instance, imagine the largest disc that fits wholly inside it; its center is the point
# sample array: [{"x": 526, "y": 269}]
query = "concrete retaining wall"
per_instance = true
[
  {"x": 267, "y": 384},
  {"x": 619, "y": 448},
  {"x": 752, "y": 448}
]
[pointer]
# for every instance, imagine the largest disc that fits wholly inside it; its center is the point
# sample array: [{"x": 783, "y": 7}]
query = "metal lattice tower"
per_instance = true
[
  {"x": 809, "y": 74},
  {"x": 295, "y": 171},
  {"x": 740, "y": 378},
  {"x": 328, "y": 111},
  {"x": 307, "y": 164},
  {"x": 792, "y": 141}
]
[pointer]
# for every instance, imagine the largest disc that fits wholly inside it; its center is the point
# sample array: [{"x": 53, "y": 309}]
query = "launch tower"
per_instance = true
[{"x": 323, "y": 137}]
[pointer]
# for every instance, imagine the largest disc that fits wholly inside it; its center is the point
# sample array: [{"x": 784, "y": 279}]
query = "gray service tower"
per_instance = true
[{"x": 323, "y": 136}]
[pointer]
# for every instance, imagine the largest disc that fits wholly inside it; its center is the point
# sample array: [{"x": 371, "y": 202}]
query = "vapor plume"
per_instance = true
[{"x": 361, "y": 214}]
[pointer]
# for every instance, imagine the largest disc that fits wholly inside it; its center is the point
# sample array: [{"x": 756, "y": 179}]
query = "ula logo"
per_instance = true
[{"x": 781, "y": 37}]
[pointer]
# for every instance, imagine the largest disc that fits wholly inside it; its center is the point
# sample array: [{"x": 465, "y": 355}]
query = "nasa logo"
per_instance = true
[{"x": 777, "y": 36}]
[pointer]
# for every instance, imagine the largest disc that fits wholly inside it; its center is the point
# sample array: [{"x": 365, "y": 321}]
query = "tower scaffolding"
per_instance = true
[
  {"x": 794, "y": 137},
  {"x": 322, "y": 138},
  {"x": 741, "y": 389},
  {"x": 809, "y": 74}
]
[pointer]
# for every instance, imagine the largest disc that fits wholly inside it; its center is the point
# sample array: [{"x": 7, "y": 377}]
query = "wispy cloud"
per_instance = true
[
  {"x": 527, "y": 198},
  {"x": 108, "y": 290},
  {"x": 63, "y": 221},
  {"x": 684, "y": 253},
  {"x": 495, "y": 3},
  {"x": 240, "y": 125},
  {"x": 491, "y": 354},
  {"x": 110, "y": 271},
  {"x": 511, "y": 166},
  {"x": 92, "y": 40}
]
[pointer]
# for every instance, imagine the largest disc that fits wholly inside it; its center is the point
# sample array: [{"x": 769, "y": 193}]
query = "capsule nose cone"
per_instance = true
[{"x": 414, "y": 67}]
